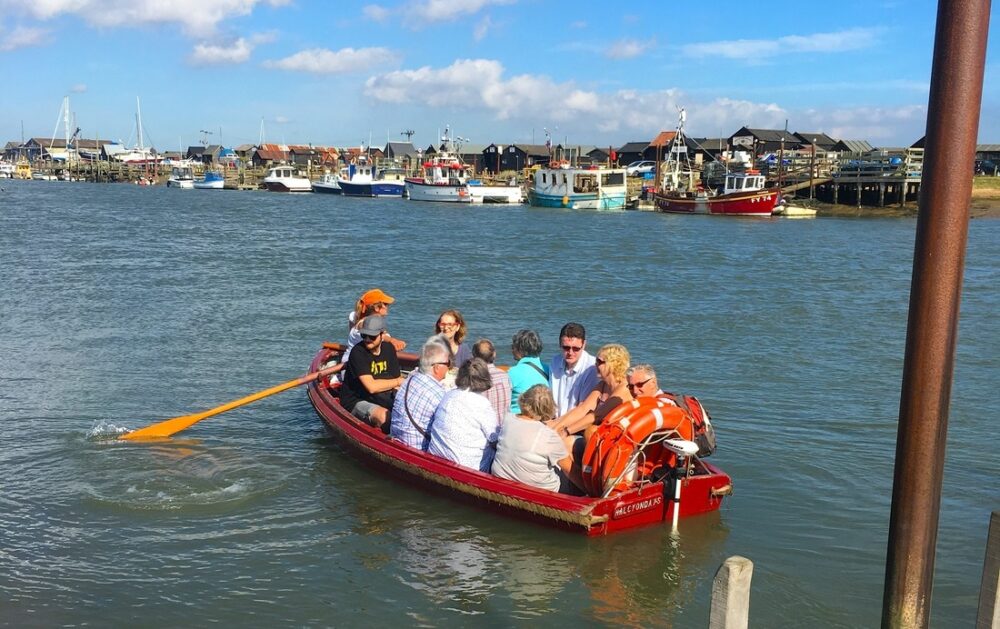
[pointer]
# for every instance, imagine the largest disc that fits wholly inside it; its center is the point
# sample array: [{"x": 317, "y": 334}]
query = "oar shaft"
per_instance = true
[{"x": 177, "y": 424}]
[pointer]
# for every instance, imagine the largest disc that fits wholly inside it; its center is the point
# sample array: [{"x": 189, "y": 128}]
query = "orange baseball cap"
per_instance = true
[{"x": 376, "y": 296}]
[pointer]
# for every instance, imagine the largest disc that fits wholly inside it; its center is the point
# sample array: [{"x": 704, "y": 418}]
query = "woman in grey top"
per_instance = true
[{"x": 529, "y": 451}]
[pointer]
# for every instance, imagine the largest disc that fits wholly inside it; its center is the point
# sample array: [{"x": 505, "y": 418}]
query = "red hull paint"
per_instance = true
[
  {"x": 753, "y": 204},
  {"x": 648, "y": 505}
]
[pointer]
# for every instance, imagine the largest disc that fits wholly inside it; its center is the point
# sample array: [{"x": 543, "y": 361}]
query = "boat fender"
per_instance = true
[{"x": 594, "y": 452}]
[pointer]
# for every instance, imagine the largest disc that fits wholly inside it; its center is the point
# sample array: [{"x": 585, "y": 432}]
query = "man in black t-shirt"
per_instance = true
[{"x": 372, "y": 375}]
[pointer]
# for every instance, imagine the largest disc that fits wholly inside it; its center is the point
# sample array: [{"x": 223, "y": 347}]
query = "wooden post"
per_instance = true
[
  {"x": 731, "y": 594},
  {"x": 989, "y": 595}
]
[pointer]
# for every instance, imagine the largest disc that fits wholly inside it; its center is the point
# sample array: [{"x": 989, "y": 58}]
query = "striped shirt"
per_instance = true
[{"x": 420, "y": 394}]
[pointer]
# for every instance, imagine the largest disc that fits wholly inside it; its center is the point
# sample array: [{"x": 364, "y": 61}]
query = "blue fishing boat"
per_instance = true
[{"x": 213, "y": 180}]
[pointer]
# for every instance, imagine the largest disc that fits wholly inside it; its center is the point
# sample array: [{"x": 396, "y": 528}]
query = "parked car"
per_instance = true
[
  {"x": 985, "y": 167},
  {"x": 636, "y": 169}
]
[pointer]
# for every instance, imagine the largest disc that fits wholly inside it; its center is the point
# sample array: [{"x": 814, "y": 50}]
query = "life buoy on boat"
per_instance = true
[{"x": 612, "y": 448}]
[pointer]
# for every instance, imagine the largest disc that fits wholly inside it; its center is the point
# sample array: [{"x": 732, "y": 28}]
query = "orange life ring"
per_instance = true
[{"x": 613, "y": 445}]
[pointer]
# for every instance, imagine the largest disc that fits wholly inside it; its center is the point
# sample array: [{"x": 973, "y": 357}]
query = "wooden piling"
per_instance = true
[
  {"x": 731, "y": 594},
  {"x": 989, "y": 595}
]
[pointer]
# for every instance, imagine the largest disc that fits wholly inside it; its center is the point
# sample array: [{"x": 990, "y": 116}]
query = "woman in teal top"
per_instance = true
[{"x": 528, "y": 369}]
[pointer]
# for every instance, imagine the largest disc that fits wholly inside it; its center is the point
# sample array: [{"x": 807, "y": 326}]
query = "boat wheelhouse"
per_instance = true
[{"x": 286, "y": 179}]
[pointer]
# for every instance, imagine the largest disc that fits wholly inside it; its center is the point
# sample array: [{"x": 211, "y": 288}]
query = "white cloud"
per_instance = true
[
  {"x": 875, "y": 124},
  {"x": 79, "y": 88},
  {"x": 482, "y": 28},
  {"x": 755, "y": 49},
  {"x": 376, "y": 13},
  {"x": 282, "y": 119},
  {"x": 22, "y": 37},
  {"x": 212, "y": 54},
  {"x": 324, "y": 61},
  {"x": 424, "y": 11},
  {"x": 627, "y": 48},
  {"x": 479, "y": 84},
  {"x": 199, "y": 17}
]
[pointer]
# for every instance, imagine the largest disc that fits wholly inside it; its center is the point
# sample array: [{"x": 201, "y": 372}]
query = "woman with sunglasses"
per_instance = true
[
  {"x": 612, "y": 390},
  {"x": 452, "y": 329}
]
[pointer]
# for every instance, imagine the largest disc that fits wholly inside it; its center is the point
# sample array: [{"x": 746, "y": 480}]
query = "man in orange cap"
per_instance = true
[{"x": 375, "y": 301}]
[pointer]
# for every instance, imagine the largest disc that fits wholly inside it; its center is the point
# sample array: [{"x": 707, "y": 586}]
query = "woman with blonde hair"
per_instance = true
[{"x": 612, "y": 390}]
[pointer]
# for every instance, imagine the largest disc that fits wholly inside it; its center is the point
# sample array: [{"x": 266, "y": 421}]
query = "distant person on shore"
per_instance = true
[
  {"x": 612, "y": 389},
  {"x": 452, "y": 325},
  {"x": 464, "y": 427},
  {"x": 532, "y": 453},
  {"x": 420, "y": 396},
  {"x": 372, "y": 375},
  {"x": 499, "y": 394},
  {"x": 572, "y": 374},
  {"x": 528, "y": 370}
]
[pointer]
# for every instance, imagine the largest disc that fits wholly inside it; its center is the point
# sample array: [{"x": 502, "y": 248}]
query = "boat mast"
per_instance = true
[{"x": 138, "y": 123}]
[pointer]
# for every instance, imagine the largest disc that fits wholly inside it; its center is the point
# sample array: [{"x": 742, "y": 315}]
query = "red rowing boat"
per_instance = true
[{"x": 703, "y": 486}]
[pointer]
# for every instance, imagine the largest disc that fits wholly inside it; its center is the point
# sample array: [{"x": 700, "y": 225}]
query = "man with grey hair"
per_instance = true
[
  {"x": 420, "y": 395},
  {"x": 641, "y": 381},
  {"x": 499, "y": 393},
  {"x": 464, "y": 428}
]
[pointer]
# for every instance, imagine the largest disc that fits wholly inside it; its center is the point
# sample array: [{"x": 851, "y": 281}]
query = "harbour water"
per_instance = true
[{"x": 121, "y": 306}]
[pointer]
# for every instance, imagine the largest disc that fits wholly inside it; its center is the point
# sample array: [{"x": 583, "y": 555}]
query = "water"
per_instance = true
[{"x": 121, "y": 306}]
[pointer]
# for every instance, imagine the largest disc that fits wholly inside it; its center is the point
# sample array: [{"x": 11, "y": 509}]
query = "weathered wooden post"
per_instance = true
[
  {"x": 989, "y": 595},
  {"x": 731, "y": 594}
]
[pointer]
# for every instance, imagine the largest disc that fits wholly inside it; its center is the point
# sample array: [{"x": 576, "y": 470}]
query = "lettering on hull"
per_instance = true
[{"x": 632, "y": 508}]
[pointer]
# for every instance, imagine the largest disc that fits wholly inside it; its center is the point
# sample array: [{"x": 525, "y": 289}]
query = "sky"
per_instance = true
[{"x": 342, "y": 73}]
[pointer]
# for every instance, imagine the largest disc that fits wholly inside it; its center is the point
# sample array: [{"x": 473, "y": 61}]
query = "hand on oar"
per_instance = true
[{"x": 177, "y": 424}]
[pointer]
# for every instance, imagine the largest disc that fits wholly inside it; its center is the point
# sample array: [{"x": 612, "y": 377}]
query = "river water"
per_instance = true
[{"x": 121, "y": 306}]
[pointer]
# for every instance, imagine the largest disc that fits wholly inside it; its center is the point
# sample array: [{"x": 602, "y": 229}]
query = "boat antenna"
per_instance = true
[{"x": 408, "y": 133}]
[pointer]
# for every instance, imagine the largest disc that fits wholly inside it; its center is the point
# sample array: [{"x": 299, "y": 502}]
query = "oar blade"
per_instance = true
[{"x": 163, "y": 429}]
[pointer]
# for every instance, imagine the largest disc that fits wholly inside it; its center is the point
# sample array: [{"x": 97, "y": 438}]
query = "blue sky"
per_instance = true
[{"x": 494, "y": 70}]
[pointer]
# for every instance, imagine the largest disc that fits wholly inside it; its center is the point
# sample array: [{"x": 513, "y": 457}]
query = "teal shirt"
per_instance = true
[{"x": 523, "y": 376}]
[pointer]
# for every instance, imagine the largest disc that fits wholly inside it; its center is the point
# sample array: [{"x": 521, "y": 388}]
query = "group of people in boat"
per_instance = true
[{"x": 528, "y": 423}]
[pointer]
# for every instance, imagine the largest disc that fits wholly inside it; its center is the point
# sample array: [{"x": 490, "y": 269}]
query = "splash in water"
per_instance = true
[{"x": 105, "y": 430}]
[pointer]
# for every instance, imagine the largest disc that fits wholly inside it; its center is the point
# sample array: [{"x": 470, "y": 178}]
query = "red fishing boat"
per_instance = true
[
  {"x": 695, "y": 487},
  {"x": 744, "y": 193}
]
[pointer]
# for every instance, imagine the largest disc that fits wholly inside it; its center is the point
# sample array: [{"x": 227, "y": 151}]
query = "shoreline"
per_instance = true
[{"x": 985, "y": 204}]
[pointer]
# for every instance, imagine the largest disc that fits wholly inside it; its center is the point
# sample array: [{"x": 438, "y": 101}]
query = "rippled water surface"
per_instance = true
[{"x": 121, "y": 306}]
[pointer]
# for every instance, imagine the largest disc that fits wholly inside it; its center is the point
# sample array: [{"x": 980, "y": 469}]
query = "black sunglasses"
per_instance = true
[{"x": 638, "y": 385}]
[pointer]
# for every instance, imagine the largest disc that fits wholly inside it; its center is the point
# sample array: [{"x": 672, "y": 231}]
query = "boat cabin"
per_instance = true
[{"x": 750, "y": 181}]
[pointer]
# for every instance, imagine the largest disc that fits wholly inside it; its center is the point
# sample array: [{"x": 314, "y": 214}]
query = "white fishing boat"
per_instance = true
[
  {"x": 286, "y": 179},
  {"x": 6, "y": 170},
  {"x": 444, "y": 178},
  {"x": 181, "y": 177},
  {"x": 494, "y": 193},
  {"x": 592, "y": 188},
  {"x": 213, "y": 180},
  {"x": 329, "y": 183}
]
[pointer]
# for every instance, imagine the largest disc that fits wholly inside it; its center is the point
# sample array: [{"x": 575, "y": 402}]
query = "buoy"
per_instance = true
[{"x": 565, "y": 201}]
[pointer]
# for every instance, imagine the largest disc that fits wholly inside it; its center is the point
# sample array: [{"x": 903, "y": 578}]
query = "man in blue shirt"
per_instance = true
[{"x": 572, "y": 374}]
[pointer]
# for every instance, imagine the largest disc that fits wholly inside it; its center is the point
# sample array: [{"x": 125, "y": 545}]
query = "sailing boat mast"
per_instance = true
[{"x": 138, "y": 123}]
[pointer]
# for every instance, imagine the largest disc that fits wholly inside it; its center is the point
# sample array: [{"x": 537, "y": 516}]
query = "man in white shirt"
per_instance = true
[{"x": 572, "y": 374}]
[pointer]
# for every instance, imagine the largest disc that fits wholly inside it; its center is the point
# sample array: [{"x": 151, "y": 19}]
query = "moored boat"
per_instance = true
[
  {"x": 286, "y": 179},
  {"x": 444, "y": 178},
  {"x": 494, "y": 193},
  {"x": 681, "y": 192},
  {"x": 560, "y": 185},
  {"x": 213, "y": 180},
  {"x": 364, "y": 179},
  {"x": 181, "y": 177},
  {"x": 329, "y": 183},
  {"x": 699, "y": 488}
]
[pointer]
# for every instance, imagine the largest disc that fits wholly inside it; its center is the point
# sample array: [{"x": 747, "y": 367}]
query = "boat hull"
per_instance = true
[
  {"x": 210, "y": 184},
  {"x": 649, "y": 505},
  {"x": 326, "y": 188},
  {"x": 372, "y": 189},
  {"x": 444, "y": 193},
  {"x": 496, "y": 194},
  {"x": 288, "y": 186},
  {"x": 585, "y": 201},
  {"x": 184, "y": 184},
  {"x": 760, "y": 203}
]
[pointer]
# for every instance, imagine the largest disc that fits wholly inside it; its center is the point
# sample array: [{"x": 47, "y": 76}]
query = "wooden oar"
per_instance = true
[{"x": 177, "y": 424}]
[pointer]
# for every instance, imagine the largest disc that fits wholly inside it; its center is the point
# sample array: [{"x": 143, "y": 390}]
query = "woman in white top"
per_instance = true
[{"x": 532, "y": 453}]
